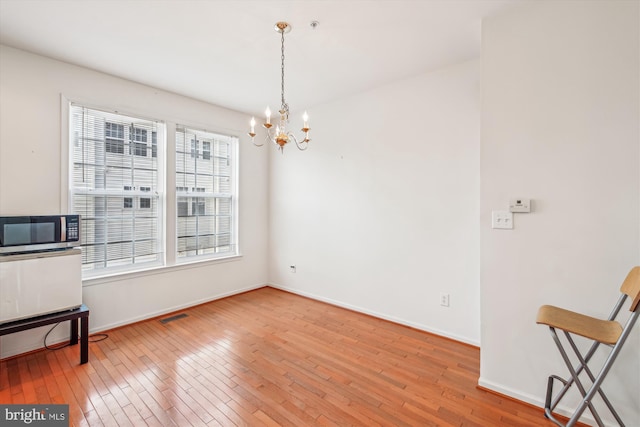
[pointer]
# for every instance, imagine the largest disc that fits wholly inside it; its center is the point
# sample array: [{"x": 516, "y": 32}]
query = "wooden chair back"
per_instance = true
[{"x": 631, "y": 287}]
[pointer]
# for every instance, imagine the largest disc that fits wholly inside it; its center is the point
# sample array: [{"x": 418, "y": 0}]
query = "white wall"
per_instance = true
[
  {"x": 560, "y": 124},
  {"x": 31, "y": 144},
  {"x": 380, "y": 214}
]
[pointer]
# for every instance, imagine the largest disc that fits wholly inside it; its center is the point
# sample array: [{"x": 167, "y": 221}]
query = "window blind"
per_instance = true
[
  {"x": 115, "y": 188},
  {"x": 204, "y": 193}
]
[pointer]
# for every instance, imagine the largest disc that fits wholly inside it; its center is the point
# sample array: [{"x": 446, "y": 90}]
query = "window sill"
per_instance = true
[{"x": 161, "y": 269}]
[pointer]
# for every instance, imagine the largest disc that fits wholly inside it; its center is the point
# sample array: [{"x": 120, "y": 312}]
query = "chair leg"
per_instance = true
[
  {"x": 583, "y": 363},
  {"x": 548, "y": 406},
  {"x": 576, "y": 380},
  {"x": 586, "y": 401},
  {"x": 568, "y": 383}
]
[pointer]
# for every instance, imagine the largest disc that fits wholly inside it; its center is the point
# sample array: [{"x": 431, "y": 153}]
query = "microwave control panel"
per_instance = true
[{"x": 73, "y": 230}]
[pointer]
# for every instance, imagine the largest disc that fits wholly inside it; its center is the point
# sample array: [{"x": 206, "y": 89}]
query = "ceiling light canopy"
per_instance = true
[{"x": 282, "y": 136}]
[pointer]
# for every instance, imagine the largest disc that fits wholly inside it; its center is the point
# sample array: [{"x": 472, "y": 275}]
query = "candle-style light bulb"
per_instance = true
[
  {"x": 268, "y": 114},
  {"x": 305, "y": 118},
  {"x": 253, "y": 125}
]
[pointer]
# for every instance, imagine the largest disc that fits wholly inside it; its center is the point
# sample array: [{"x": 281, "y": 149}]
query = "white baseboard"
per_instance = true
[
  {"x": 32, "y": 343},
  {"x": 175, "y": 308},
  {"x": 536, "y": 401},
  {"x": 378, "y": 315}
]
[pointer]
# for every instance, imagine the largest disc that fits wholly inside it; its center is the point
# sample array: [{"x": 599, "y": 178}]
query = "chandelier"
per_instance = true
[{"x": 282, "y": 135}]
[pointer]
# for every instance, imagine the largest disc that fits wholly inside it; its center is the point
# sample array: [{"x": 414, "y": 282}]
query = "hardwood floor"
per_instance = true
[{"x": 265, "y": 358}]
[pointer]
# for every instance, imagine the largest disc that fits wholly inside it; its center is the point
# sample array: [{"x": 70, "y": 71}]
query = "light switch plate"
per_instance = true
[{"x": 502, "y": 220}]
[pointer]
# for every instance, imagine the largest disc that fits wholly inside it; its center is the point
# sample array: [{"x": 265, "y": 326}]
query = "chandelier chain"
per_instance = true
[{"x": 284, "y": 105}]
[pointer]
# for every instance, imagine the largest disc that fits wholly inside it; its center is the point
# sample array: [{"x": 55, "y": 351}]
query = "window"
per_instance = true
[
  {"x": 140, "y": 141},
  {"x": 206, "y": 223},
  {"x": 194, "y": 148},
  {"x": 197, "y": 206},
  {"x": 183, "y": 208},
  {"x": 154, "y": 144},
  {"x": 114, "y": 138},
  {"x": 140, "y": 149},
  {"x": 117, "y": 177},
  {"x": 120, "y": 229}
]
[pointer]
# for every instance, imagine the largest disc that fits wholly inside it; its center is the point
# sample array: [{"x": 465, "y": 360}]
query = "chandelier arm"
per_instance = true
[
  {"x": 302, "y": 145},
  {"x": 267, "y": 137}
]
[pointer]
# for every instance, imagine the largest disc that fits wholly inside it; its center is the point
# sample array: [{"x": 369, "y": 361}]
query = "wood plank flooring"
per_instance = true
[{"x": 265, "y": 358}]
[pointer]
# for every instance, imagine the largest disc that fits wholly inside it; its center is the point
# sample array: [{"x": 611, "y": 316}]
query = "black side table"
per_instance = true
[{"x": 81, "y": 313}]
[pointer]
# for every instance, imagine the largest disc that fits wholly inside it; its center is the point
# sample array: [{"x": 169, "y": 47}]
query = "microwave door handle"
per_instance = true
[{"x": 63, "y": 229}]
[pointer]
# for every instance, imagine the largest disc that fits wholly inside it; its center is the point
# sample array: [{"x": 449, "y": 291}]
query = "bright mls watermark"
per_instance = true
[{"x": 34, "y": 415}]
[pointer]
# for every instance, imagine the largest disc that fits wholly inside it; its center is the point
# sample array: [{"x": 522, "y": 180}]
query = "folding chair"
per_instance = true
[{"x": 608, "y": 332}]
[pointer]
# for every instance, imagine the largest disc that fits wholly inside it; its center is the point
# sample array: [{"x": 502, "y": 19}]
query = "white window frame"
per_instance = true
[
  {"x": 162, "y": 146},
  {"x": 193, "y": 195},
  {"x": 126, "y": 192}
]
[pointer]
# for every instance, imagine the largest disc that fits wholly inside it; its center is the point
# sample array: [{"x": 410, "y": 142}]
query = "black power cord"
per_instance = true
[{"x": 97, "y": 337}]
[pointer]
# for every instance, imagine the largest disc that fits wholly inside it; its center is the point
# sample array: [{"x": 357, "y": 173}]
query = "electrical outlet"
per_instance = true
[
  {"x": 292, "y": 268},
  {"x": 444, "y": 299}
]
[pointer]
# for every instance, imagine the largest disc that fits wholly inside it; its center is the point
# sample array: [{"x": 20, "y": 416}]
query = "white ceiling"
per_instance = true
[{"x": 227, "y": 53}]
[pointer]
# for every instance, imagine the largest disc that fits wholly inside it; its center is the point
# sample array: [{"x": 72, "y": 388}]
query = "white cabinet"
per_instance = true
[{"x": 33, "y": 284}]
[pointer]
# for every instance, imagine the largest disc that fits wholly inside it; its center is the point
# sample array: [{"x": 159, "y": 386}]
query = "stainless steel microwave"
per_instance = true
[{"x": 38, "y": 233}]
